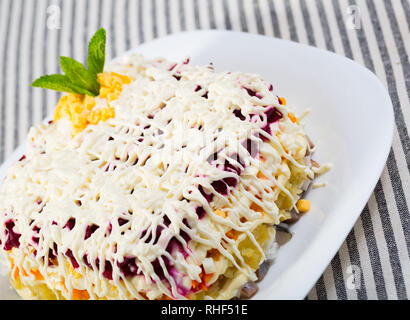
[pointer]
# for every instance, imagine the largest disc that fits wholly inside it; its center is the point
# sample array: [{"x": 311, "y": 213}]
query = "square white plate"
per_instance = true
[{"x": 351, "y": 123}]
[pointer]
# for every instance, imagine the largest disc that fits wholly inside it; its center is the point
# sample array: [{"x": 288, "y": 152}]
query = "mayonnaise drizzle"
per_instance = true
[{"x": 144, "y": 166}]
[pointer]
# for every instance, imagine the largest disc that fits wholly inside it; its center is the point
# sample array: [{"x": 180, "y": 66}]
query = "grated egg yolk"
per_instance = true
[{"x": 80, "y": 109}]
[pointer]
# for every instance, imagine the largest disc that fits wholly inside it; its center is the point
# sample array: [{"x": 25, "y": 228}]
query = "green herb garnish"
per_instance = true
[{"x": 78, "y": 79}]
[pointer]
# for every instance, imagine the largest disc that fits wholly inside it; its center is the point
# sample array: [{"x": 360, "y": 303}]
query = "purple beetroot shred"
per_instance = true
[
  {"x": 70, "y": 224},
  {"x": 200, "y": 211},
  {"x": 272, "y": 115},
  {"x": 90, "y": 230},
  {"x": 70, "y": 255},
  {"x": 12, "y": 238},
  {"x": 129, "y": 267}
]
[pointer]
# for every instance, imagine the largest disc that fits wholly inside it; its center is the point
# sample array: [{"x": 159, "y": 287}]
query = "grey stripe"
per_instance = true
[
  {"x": 244, "y": 24},
  {"x": 154, "y": 19},
  {"x": 258, "y": 17},
  {"x": 31, "y": 50},
  {"x": 406, "y": 8},
  {"x": 291, "y": 22},
  {"x": 17, "y": 84},
  {"x": 72, "y": 43},
  {"x": 355, "y": 260},
  {"x": 113, "y": 35},
  {"x": 274, "y": 19},
  {"x": 85, "y": 35},
  {"x": 398, "y": 39},
  {"x": 308, "y": 23},
  {"x": 58, "y": 47},
  {"x": 196, "y": 15},
  {"x": 325, "y": 25},
  {"x": 342, "y": 30},
  {"x": 400, "y": 198},
  {"x": 212, "y": 23},
  {"x": 111, "y": 24},
  {"x": 44, "y": 68},
  {"x": 373, "y": 253},
  {"x": 3, "y": 86},
  {"x": 140, "y": 23},
  {"x": 182, "y": 15},
  {"x": 338, "y": 277},
  {"x": 321, "y": 289},
  {"x": 99, "y": 22},
  {"x": 127, "y": 25},
  {"x": 167, "y": 17},
  {"x": 390, "y": 241},
  {"x": 228, "y": 24}
]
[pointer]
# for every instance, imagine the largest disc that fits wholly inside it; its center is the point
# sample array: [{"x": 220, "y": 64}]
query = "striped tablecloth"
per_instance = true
[{"x": 373, "y": 262}]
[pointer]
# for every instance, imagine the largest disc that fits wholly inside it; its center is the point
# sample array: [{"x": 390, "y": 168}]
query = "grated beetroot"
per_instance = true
[
  {"x": 70, "y": 255},
  {"x": 129, "y": 267},
  {"x": 12, "y": 238},
  {"x": 70, "y": 224},
  {"x": 90, "y": 230}
]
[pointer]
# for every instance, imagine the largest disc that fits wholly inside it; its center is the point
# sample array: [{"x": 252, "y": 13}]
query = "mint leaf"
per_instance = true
[
  {"x": 79, "y": 76},
  {"x": 96, "y": 52},
  {"x": 59, "y": 82}
]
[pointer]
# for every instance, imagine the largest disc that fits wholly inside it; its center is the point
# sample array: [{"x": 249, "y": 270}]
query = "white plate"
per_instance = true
[{"x": 351, "y": 122}]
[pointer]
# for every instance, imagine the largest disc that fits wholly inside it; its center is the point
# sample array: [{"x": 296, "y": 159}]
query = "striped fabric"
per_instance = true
[{"x": 374, "y": 261}]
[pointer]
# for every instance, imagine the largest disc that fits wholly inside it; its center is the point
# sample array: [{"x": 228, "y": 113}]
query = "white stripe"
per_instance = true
[
  {"x": 174, "y": 16},
  {"x": 316, "y": 25},
  {"x": 132, "y": 16},
  {"x": 266, "y": 18},
  {"x": 11, "y": 77},
  {"x": 312, "y": 295},
  {"x": 250, "y": 16},
  {"x": 146, "y": 18},
  {"x": 366, "y": 271},
  {"x": 189, "y": 15},
  {"x": 233, "y": 9},
  {"x": 105, "y": 22},
  {"x": 382, "y": 248},
  {"x": 334, "y": 30},
  {"x": 119, "y": 27},
  {"x": 3, "y": 26},
  {"x": 299, "y": 22},
  {"x": 52, "y": 63},
  {"x": 282, "y": 19},
  {"x": 161, "y": 18},
  {"x": 92, "y": 16},
  {"x": 203, "y": 14},
  {"x": 219, "y": 14},
  {"x": 345, "y": 262},
  {"x": 24, "y": 67},
  {"x": 329, "y": 280}
]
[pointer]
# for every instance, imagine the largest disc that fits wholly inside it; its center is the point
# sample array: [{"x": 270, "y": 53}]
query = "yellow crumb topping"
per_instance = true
[{"x": 79, "y": 109}]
